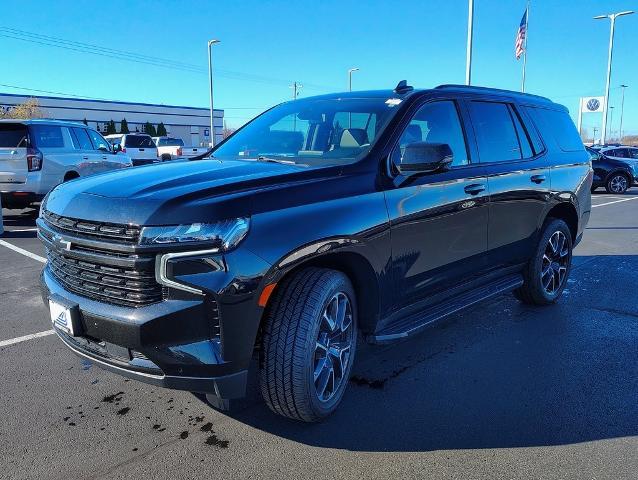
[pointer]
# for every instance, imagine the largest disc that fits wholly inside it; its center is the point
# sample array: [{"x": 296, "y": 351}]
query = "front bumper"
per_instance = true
[{"x": 172, "y": 343}]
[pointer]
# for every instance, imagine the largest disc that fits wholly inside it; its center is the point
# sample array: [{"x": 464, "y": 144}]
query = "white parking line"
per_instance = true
[
  {"x": 13, "y": 341},
  {"x": 616, "y": 201},
  {"x": 22, "y": 251}
]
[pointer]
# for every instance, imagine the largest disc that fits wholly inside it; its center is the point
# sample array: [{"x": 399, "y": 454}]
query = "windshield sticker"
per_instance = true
[{"x": 392, "y": 102}]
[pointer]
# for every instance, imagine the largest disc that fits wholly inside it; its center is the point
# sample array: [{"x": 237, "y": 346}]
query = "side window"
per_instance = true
[
  {"x": 436, "y": 122},
  {"x": 81, "y": 139},
  {"x": 99, "y": 142},
  {"x": 523, "y": 138},
  {"x": 496, "y": 135},
  {"x": 633, "y": 153},
  {"x": 559, "y": 125},
  {"x": 47, "y": 136}
]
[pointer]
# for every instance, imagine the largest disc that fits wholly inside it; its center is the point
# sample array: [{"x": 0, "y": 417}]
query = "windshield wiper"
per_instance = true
[{"x": 262, "y": 158}]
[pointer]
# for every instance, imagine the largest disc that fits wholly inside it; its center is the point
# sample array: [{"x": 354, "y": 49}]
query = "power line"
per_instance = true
[{"x": 134, "y": 57}]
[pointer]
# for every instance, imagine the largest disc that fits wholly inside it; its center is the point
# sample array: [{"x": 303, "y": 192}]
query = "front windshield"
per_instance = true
[{"x": 312, "y": 131}]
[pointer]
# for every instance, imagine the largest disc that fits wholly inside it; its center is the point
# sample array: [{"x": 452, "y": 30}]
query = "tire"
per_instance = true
[
  {"x": 294, "y": 328},
  {"x": 166, "y": 157},
  {"x": 547, "y": 262},
  {"x": 617, "y": 183}
]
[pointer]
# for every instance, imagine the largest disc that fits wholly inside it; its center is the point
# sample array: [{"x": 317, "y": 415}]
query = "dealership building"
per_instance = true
[{"x": 191, "y": 124}]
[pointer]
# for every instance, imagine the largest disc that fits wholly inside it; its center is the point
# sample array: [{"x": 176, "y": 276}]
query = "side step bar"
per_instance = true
[{"x": 417, "y": 322}]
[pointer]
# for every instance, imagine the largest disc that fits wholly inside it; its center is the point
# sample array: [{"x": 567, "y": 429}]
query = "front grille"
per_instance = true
[
  {"x": 94, "y": 230},
  {"x": 108, "y": 283}
]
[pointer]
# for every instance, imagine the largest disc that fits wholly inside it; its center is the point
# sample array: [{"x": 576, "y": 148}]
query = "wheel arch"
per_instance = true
[
  {"x": 70, "y": 175},
  {"x": 359, "y": 271},
  {"x": 567, "y": 212}
]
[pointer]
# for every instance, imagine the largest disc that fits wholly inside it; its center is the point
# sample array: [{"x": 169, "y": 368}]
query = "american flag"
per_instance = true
[{"x": 519, "y": 46}]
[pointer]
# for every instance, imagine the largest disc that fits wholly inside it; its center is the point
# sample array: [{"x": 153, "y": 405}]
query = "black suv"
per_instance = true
[
  {"x": 615, "y": 173},
  {"x": 322, "y": 223}
]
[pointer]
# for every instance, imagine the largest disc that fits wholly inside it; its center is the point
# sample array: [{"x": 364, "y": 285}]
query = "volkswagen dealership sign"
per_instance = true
[{"x": 592, "y": 104}]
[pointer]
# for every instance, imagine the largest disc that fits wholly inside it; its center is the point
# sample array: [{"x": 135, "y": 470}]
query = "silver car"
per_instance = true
[{"x": 37, "y": 155}]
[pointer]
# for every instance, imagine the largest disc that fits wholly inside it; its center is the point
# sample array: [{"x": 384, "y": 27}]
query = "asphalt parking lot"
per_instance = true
[{"x": 499, "y": 391}]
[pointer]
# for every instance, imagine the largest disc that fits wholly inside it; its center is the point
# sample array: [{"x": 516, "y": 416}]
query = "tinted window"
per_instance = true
[
  {"x": 47, "y": 136},
  {"x": 496, "y": 135},
  {"x": 13, "y": 135},
  {"x": 437, "y": 122},
  {"x": 557, "y": 124},
  {"x": 633, "y": 153},
  {"x": 139, "y": 141},
  {"x": 170, "y": 142},
  {"x": 98, "y": 140},
  {"x": 81, "y": 139}
]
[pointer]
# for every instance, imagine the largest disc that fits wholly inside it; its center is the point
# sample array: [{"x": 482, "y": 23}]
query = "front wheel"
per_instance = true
[
  {"x": 545, "y": 275},
  {"x": 308, "y": 344},
  {"x": 617, "y": 183}
]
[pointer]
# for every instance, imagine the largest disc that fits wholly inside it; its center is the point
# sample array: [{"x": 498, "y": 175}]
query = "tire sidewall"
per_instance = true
[
  {"x": 550, "y": 228},
  {"x": 323, "y": 409}
]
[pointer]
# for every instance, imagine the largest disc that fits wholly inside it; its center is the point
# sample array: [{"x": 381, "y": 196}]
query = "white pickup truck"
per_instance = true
[{"x": 169, "y": 148}]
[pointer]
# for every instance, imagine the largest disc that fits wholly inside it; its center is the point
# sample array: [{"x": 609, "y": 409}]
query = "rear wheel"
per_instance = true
[
  {"x": 309, "y": 343},
  {"x": 545, "y": 276},
  {"x": 617, "y": 183}
]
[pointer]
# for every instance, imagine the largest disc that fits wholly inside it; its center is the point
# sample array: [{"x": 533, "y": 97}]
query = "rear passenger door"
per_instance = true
[{"x": 518, "y": 177}]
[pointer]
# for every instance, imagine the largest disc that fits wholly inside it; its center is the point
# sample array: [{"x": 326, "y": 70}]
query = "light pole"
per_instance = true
[
  {"x": 622, "y": 109},
  {"x": 210, "y": 86},
  {"x": 468, "y": 52},
  {"x": 295, "y": 89},
  {"x": 612, "y": 17},
  {"x": 355, "y": 69},
  {"x": 611, "y": 122}
]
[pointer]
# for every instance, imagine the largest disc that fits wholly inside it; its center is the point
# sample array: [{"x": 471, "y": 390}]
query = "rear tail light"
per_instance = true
[
  {"x": 34, "y": 159},
  {"x": 179, "y": 151}
]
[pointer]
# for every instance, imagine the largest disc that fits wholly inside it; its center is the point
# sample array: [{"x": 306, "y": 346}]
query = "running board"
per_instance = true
[{"x": 417, "y": 322}]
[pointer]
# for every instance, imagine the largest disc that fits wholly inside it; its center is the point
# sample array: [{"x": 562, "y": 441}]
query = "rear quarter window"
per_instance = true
[
  {"x": 557, "y": 124},
  {"x": 13, "y": 135},
  {"x": 47, "y": 136}
]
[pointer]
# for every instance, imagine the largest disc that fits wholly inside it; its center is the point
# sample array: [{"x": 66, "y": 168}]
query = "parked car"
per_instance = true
[
  {"x": 37, "y": 155},
  {"x": 323, "y": 222},
  {"x": 169, "y": 148},
  {"x": 138, "y": 146},
  {"x": 615, "y": 173}
]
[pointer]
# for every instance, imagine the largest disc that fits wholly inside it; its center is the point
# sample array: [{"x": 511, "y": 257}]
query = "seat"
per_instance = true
[{"x": 353, "y": 137}]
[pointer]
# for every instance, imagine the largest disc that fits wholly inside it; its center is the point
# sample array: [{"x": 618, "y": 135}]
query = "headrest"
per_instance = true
[{"x": 353, "y": 137}]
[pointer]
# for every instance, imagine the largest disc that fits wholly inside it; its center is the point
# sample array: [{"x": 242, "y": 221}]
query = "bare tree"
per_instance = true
[
  {"x": 227, "y": 131},
  {"x": 29, "y": 109}
]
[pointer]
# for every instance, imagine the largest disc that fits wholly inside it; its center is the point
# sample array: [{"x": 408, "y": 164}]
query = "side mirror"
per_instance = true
[
  {"x": 424, "y": 157},
  {"x": 117, "y": 148}
]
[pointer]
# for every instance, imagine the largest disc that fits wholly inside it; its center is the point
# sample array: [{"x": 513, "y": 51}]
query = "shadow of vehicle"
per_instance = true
[
  {"x": 499, "y": 375},
  {"x": 19, "y": 223}
]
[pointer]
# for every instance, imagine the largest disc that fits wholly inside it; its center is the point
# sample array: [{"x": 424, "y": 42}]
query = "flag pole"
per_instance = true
[{"x": 525, "y": 50}]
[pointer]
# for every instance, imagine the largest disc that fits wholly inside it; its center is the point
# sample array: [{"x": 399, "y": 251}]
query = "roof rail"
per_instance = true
[{"x": 489, "y": 89}]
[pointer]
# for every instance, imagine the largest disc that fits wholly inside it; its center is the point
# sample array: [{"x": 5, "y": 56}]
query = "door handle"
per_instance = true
[
  {"x": 475, "y": 188},
  {"x": 538, "y": 178},
  {"x": 85, "y": 158}
]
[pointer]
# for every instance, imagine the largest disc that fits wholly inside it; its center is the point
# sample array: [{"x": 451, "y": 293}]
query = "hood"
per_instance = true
[{"x": 172, "y": 193}]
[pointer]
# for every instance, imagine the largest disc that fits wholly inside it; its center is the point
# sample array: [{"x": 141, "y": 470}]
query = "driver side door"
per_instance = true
[{"x": 438, "y": 220}]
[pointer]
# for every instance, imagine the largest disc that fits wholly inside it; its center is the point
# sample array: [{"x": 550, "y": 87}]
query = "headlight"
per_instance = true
[{"x": 223, "y": 235}]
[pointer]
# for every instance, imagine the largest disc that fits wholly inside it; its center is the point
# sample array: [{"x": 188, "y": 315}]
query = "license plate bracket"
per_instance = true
[{"x": 65, "y": 315}]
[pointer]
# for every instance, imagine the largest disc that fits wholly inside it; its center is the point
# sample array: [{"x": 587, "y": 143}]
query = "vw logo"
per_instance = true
[{"x": 593, "y": 105}]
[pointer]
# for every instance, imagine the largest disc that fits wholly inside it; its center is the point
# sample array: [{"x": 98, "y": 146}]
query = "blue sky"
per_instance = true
[{"x": 267, "y": 44}]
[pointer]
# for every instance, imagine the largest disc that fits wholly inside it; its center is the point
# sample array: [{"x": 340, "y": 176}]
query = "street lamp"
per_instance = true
[
  {"x": 468, "y": 51},
  {"x": 210, "y": 85},
  {"x": 355, "y": 69},
  {"x": 611, "y": 122},
  {"x": 612, "y": 17},
  {"x": 622, "y": 109}
]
